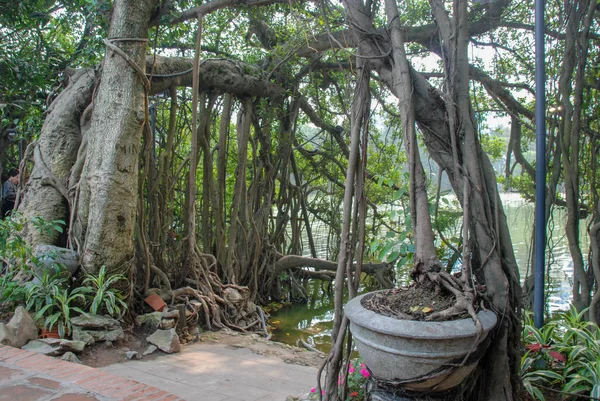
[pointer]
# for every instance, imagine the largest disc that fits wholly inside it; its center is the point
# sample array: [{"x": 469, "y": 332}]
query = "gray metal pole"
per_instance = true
[{"x": 540, "y": 165}]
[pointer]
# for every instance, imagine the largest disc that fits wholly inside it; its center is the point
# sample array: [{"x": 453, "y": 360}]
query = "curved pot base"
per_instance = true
[{"x": 442, "y": 382}]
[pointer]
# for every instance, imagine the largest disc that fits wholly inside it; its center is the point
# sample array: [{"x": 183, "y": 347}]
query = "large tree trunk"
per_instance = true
[
  {"x": 54, "y": 154},
  {"x": 108, "y": 187}
]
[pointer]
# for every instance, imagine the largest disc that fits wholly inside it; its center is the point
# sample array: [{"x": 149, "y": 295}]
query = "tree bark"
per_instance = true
[
  {"x": 108, "y": 187},
  {"x": 47, "y": 192}
]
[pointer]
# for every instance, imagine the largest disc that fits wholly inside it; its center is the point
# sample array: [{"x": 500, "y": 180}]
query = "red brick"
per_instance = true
[
  {"x": 34, "y": 361},
  {"x": 64, "y": 372},
  {"x": 128, "y": 388},
  {"x": 91, "y": 379},
  {"x": 75, "y": 397},
  {"x": 154, "y": 397},
  {"x": 77, "y": 373},
  {"x": 40, "y": 381},
  {"x": 19, "y": 355},
  {"x": 171, "y": 398},
  {"x": 8, "y": 372},
  {"x": 7, "y": 352},
  {"x": 106, "y": 383},
  {"x": 81, "y": 375},
  {"x": 146, "y": 391},
  {"x": 22, "y": 393}
]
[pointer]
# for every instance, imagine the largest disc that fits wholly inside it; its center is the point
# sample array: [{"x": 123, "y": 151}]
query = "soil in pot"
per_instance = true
[{"x": 415, "y": 302}]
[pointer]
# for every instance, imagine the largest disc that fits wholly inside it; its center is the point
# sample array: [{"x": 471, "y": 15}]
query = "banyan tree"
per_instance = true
[{"x": 198, "y": 155}]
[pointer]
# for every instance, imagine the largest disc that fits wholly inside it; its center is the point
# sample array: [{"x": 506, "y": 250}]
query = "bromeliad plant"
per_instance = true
[{"x": 563, "y": 355}]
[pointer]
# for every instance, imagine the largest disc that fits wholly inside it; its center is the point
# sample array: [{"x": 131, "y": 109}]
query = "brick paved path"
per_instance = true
[{"x": 28, "y": 376}]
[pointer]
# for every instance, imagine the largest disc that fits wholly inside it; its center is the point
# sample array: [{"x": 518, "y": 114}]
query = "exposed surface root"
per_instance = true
[
  {"x": 434, "y": 296},
  {"x": 208, "y": 301}
]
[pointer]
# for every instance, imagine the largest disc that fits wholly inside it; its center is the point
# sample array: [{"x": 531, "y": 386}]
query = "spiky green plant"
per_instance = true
[{"x": 102, "y": 295}]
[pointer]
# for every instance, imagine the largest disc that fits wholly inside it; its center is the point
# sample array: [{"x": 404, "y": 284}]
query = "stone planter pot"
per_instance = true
[{"x": 416, "y": 354}]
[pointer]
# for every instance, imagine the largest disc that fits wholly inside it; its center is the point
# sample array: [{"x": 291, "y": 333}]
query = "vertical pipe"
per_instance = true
[{"x": 540, "y": 178}]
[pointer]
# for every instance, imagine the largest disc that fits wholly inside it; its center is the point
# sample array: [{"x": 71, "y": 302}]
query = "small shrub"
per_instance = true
[
  {"x": 42, "y": 289},
  {"x": 101, "y": 295},
  {"x": 564, "y": 355},
  {"x": 59, "y": 310}
]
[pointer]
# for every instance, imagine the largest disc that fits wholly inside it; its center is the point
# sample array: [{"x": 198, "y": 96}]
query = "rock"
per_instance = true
[
  {"x": 42, "y": 348},
  {"x": 95, "y": 322},
  {"x": 70, "y": 357},
  {"x": 19, "y": 330},
  {"x": 93, "y": 328},
  {"x": 149, "y": 321},
  {"x": 165, "y": 340},
  {"x": 107, "y": 335},
  {"x": 151, "y": 348},
  {"x": 133, "y": 355},
  {"x": 49, "y": 256},
  {"x": 68, "y": 345},
  {"x": 167, "y": 324},
  {"x": 232, "y": 295},
  {"x": 7, "y": 337},
  {"x": 54, "y": 346},
  {"x": 250, "y": 307},
  {"x": 81, "y": 335}
]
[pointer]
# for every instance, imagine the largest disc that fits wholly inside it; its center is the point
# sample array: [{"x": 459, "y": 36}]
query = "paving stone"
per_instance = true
[
  {"x": 8, "y": 372},
  {"x": 40, "y": 381},
  {"x": 10, "y": 375},
  {"x": 22, "y": 392}
]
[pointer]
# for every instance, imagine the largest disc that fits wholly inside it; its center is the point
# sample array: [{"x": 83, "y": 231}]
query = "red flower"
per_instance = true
[{"x": 354, "y": 394}]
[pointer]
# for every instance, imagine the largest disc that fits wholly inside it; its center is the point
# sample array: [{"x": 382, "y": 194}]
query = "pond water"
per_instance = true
[{"x": 311, "y": 323}]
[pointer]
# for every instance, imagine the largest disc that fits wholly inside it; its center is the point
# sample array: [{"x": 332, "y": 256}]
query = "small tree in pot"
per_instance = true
[{"x": 446, "y": 122}]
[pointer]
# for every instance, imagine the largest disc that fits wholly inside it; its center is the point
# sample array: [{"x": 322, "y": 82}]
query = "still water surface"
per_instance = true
[{"x": 311, "y": 323}]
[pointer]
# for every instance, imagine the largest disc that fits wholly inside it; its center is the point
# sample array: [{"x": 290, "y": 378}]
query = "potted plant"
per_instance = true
[
  {"x": 49, "y": 297},
  {"x": 59, "y": 311},
  {"x": 419, "y": 355},
  {"x": 426, "y": 347}
]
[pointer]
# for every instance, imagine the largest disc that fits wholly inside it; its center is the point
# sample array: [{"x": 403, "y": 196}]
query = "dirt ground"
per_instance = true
[{"x": 103, "y": 354}]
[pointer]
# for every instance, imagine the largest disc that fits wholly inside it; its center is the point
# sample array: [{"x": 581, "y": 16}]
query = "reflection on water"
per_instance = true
[{"x": 311, "y": 323}]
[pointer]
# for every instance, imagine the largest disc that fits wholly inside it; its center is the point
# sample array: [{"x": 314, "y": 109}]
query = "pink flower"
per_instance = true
[
  {"x": 365, "y": 372},
  {"x": 362, "y": 365},
  {"x": 322, "y": 392},
  {"x": 351, "y": 369},
  {"x": 313, "y": 390}
]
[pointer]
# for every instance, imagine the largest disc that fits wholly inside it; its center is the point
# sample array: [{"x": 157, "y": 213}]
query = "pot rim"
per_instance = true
[{"x": 461, "y": 328}]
